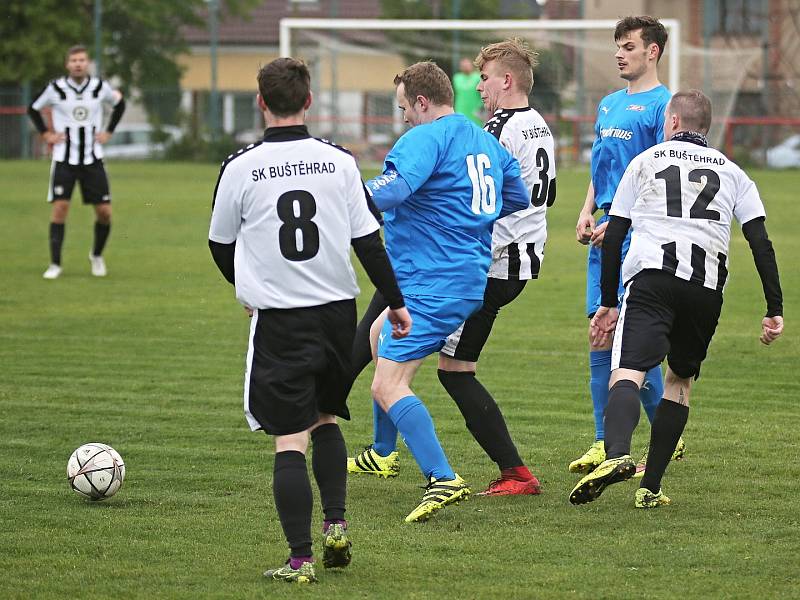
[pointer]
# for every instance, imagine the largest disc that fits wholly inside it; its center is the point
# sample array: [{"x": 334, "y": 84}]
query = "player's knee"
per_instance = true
[
  {"x": 379, "y": 391},
  {"x": 681, "y": 377}
]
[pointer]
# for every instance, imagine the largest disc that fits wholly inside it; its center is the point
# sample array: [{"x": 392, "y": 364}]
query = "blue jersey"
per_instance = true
[
  {"x": 626, "y": 125},
  {"x": 439, "y": 238}
]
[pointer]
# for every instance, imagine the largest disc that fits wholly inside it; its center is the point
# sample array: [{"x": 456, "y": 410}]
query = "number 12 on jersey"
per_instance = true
[{"x": 484, "y": 196}]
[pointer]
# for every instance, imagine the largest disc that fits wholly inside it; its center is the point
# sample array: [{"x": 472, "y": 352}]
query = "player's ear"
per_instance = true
[
  {"x": 307, "y": 105},
  {"x": 261, "y": 104},
  {"x": 424, "y": 103},
  {"x": 652, "y": 51},
  {"x": 508, "y": 81}
]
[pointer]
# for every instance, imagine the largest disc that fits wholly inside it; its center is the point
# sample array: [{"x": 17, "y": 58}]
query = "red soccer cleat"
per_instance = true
[{"x": 518, "y": 481}]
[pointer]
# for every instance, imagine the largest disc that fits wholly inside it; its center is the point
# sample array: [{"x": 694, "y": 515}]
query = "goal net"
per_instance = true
[{"x": 353, "y": 63}]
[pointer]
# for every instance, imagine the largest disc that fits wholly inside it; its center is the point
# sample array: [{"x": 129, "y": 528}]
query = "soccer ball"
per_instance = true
[{"x": 95, "y": 471}]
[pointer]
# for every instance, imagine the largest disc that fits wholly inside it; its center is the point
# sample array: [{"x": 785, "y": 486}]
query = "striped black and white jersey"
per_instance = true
[
  {"x": 292, "y": 207},
  {"x": 518, "y": 240},
  {"x": 78, "y": 113},
  {"x": 682, "y": 198}
]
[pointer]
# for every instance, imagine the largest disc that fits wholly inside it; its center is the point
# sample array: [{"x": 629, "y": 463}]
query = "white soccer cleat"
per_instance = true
[
  {"x": 98, "y": 265},
  {"x": 53, "y": 271}
]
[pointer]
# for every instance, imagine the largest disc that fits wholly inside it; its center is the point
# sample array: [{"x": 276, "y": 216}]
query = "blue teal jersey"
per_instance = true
[
  {"x": 439, "y": 238},
  {"x": 626, "y": 125}
]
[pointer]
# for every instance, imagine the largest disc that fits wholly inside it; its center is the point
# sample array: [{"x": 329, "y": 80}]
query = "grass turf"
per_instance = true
[{"x": 150, "y": 360}]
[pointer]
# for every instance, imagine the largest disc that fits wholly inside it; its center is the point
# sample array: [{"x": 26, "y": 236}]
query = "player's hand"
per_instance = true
[
  {"x": 602, "y": 326},
  {"x": 102, "y": 137},
  {"x": 248, "y": 310},
  {"x": 598, "y": 234},
  {"x": 584, "y": 228},
  {"x": 771, "y": 329},
  {"x": 53, "y": 137},
  {"x": 400, "y": 320}
]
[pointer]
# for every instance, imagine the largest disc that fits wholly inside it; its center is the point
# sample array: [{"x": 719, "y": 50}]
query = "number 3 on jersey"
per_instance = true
[
  {"x": 484, "y": 196},
  {"x": 298, "y": 236}
]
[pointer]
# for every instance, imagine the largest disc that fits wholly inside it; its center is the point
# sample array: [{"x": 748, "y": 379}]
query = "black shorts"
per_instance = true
[
  {"x": 298, "y": 366},
  {"x": 664, "y": 316},
  {"x": 467, "y": 342},
  {"x": 93, "y": 180}
]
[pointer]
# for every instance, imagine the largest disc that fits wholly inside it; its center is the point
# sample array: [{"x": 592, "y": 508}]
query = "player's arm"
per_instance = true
[
  {"x": 118, "y": 109},
  {"x": 755, "y": 232},
  {"x": 388, "y": 189},
  {"x": 223, "y": 257},
  {"x": 45, "y": 98},
  {"x": 225, "y": 223},
  {"x": 516, "y": 196},
  {"x": 585, "y": 225}
]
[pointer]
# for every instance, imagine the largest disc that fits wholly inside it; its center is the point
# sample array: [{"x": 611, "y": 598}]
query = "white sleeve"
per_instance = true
[
  {"x": 362, "y": 222},
  {"x": 46, "y": 98},
  {"x": 108, "y": 94},
  {"x": 226, "y": 216},
  {"x": 625, "y": 196},
  {"x": 748, "y": 205}
]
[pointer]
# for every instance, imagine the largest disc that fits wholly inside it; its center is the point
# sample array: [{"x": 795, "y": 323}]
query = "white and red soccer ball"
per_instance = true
[{"x": 95, "y": 471}]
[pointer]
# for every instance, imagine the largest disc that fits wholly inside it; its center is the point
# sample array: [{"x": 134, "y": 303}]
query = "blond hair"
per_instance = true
[{"x": 515, "y": 55}]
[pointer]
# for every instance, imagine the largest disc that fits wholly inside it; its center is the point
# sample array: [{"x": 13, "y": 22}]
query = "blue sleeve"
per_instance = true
[
  {"x": 515, "y": 194},
  {"x": 414, "y": 156},
  {"x": 389, "y": 189}
]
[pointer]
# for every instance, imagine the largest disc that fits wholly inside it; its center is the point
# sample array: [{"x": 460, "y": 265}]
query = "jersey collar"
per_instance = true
[
  {"x": 693, "y": 137},
  {"x": 289, "y": 133},
  {"x": 70, "y": 83}
]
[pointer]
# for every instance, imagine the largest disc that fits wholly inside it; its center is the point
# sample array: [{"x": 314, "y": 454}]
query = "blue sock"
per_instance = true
[
  {"x": 414, "y": 422},
  {"x": 600, "y": 369},
  {"x": 652, "y": 391},
  {"x": 384, "y": 431}
]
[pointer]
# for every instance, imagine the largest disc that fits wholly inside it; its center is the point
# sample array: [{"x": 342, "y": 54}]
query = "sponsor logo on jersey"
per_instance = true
[
  {"x": 615, "y": 132},
  {"x": 80, "y": 113},
  {"x": 604, "y": 109},
  {"x": 636, "y": 107}
]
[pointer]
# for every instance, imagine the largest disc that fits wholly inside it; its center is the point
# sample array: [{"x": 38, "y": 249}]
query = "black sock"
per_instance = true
[
  {"x": 293, "y": 500},
  {"x": 482, "y": 416},
  {"x": 329, "y": 462},
  {"x": 621, "y": 417},
  {"x": 665, "y": 432},
  {"x": 362, "y": 352},
  {"x": 101, "y": 231},
  {"x": 56, "y": 241}
]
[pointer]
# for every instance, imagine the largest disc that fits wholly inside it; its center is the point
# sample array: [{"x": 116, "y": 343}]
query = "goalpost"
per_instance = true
[
  {"x": 673, "y": 27},
  {"x": 353, "y": 62}
]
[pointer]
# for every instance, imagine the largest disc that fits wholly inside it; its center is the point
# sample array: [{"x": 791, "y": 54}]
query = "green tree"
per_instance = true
[{"x": 141, "y": 40}]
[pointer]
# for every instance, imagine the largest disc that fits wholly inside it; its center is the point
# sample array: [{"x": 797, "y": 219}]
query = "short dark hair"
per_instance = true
[
  {"x": 76, "y": 49},
  {"x": 426, "y": 79},
  {"x": 284, "y": 85},
  {"x": 694, "y": 109},
  {"x": 653, "y": 32}
]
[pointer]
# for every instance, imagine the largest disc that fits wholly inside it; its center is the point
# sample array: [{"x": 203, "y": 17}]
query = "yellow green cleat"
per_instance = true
[
  {"x": 438, "y": 494},
  {"x": 336, "y": 547},
  {"x": 303, "y": 574},
  {"x": 646, "y": 499},
  {"x": 371, "y": 463},
  {"x": 610, "y": 471},
  {"x": 590, "y": 460}
]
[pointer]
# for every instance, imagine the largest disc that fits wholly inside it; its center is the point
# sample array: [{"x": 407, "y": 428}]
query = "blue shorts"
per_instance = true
[
  {"x": 593, "y": 270},
  {"x": 434, "y": 319}
]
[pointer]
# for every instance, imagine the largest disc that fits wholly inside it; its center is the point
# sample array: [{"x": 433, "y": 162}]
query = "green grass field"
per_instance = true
[{"x": 150, "y": 360}]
